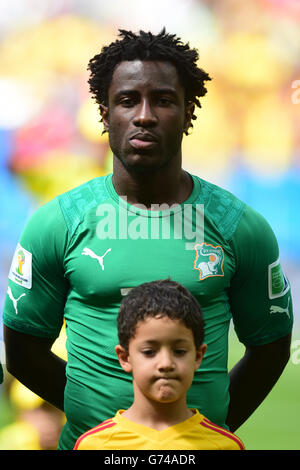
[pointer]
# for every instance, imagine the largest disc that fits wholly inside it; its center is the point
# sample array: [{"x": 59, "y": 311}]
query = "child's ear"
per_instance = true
[
  {"x": 123, "y": 356},
  {"x": 199, "y": 355}
]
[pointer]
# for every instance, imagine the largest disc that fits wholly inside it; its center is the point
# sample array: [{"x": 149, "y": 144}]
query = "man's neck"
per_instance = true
[{"x": 164, "y": 186}]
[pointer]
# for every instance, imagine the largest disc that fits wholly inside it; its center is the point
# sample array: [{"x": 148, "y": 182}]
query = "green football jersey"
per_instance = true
[{"x": 81, "y": 253}]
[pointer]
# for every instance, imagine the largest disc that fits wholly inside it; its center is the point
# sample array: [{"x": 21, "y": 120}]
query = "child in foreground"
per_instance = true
[{"x": 161, "y": 332}]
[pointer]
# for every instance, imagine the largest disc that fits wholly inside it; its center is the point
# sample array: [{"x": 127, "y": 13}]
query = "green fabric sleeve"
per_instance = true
[
  {"x": 36, "y": 305},
  {"x": 260, "y": 295}
]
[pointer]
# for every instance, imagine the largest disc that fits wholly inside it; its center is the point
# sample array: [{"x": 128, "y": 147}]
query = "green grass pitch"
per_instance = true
[{"x": 275, "y": 424}]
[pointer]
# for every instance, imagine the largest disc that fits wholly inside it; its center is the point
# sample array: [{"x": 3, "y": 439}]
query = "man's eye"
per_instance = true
[
  {"x": 165, "y": 101},
  {"x": 127, "y": 102}
]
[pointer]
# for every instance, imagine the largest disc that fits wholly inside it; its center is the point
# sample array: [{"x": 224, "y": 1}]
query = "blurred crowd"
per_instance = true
[{"x": 246, "y": 137}]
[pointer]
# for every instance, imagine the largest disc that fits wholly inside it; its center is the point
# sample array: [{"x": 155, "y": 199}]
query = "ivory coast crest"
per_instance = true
[{"x": 209, "y": 260}]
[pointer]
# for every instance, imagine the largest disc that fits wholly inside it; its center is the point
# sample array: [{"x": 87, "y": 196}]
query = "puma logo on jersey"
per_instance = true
[
  {"x": 277, "y": 309},
  {"x": 14, "y": 301},
  {"x": 88, "y": 252}
]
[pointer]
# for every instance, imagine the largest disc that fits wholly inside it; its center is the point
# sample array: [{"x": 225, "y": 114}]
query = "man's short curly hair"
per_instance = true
[
  {"x": 151, "y": 47},
  {"x": 161, "y": 298}
]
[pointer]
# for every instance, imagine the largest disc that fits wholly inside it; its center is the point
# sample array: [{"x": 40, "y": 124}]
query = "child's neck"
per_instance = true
[{"x": 157, "y": 415}]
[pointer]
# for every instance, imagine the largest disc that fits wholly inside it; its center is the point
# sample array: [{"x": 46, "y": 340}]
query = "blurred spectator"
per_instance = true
[{"x": 37, "y": 425}]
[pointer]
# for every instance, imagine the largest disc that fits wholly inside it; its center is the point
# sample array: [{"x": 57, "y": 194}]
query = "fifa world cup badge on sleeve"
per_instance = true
[
  {"x": 21, "y": 268},
  {"x": 278, "y": 283}
]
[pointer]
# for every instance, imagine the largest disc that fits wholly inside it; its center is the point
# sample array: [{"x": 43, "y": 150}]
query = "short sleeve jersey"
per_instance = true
[
  {"x": 195, "y": 433},
  {"x": 81, "y": 253}
]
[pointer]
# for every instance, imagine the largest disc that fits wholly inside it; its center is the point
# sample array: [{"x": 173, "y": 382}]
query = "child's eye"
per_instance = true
[
  {"x": 180, "y": 352},
  {"x": 148, "y": 352}
]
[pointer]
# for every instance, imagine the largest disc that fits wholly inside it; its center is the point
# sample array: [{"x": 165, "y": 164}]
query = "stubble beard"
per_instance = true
[{"x": 140, "y": 169}]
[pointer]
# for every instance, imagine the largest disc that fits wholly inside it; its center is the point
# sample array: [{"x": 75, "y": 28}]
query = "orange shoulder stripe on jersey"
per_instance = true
[
  {"x": 208, "y": 424},
  {"x": 106, "y": 424}
]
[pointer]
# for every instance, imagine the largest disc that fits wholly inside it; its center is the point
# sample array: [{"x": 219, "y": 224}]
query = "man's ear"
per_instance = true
[
  {"x": 123, "y": 356},
  {"x": 189, "y": 112},
  {"x": 104, "y": 114}
]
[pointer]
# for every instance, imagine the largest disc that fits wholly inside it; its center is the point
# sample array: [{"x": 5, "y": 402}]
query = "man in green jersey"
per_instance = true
[{"x": 82, "y": 252}]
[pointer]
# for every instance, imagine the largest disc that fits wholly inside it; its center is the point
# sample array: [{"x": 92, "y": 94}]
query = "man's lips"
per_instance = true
[{"x": 143, "y": 141}]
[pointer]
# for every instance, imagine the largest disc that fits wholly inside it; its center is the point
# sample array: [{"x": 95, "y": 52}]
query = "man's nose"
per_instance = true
[{"x": 145, "y": 116}]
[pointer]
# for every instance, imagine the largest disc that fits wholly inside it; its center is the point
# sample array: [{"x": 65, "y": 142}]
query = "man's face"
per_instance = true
[{"x": 146, "y": 114}]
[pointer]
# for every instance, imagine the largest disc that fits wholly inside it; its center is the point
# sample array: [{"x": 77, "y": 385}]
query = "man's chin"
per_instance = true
[
  {"x": 143, "y": 164},
  {"x": 139, "y": 169},
  {"x": 140, "y": 165}
]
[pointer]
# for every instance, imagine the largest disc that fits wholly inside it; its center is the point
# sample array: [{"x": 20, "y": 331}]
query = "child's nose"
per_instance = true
[{"x": 166, "y": 361}]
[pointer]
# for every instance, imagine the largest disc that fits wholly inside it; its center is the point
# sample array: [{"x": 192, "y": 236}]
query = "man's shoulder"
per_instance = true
[
  {"x": 75, "y": 203},
  {"x": 67, "y": 209},
  {"x": 230, "y": 214},
  {"x": 87, "y": 191},
  {"x": 221, "y": 206}
]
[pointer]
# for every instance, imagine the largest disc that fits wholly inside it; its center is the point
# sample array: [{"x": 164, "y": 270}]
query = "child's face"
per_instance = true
[{"x": 162, "y": 357}]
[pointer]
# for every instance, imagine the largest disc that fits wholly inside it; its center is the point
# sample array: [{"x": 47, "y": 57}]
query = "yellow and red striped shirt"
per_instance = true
[{"x": 195, "y": 433}]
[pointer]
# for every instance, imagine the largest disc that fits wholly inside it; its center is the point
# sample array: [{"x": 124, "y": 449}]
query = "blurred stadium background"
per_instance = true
[{"x": 246, "y": 139}]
